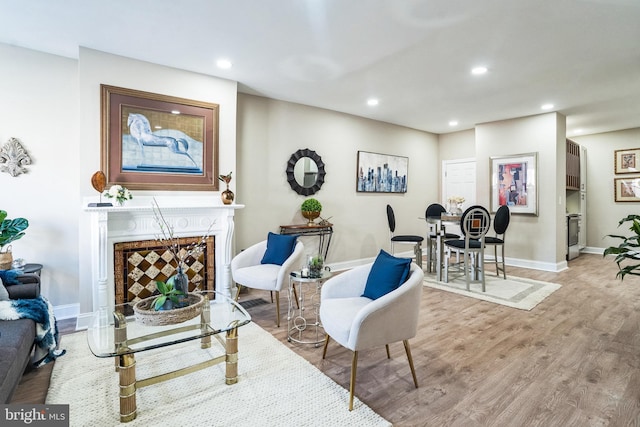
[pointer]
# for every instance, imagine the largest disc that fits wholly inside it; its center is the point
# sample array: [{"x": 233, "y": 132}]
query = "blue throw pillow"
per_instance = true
[
  {"x": 387, "y": 274},
  {"x": 279, "y": 248}
]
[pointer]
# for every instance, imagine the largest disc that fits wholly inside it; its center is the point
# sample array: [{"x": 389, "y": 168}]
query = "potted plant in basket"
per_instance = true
[
  {"x": 10, "y": 231},
  {"x": 628, "y": 249},
  {"x": 311, "y": 209},
  {"x": 168, "y": 296}
]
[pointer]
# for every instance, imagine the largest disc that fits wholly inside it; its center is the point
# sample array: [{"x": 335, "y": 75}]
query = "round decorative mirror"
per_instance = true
[{"x": 305, "y": 172}]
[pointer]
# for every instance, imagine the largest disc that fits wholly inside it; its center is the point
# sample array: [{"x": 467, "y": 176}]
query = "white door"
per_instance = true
[{"x": 459, "y": 179}]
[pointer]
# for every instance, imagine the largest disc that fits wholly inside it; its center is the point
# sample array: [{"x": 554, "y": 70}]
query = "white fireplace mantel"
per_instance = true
[{"x": 189, "y": 216}]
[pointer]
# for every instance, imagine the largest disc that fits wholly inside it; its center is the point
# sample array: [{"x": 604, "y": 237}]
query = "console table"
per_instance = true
[{"x": 323, "y": 231}]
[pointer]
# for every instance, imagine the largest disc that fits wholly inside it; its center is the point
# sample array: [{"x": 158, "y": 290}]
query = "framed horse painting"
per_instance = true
[{"x": 158, "y": 142}]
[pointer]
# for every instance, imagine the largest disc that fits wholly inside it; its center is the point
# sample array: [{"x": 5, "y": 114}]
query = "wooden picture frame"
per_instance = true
[
  {"x": 381, "y": 173},
  {"x": 158, "y": 142},
  {"x": 514, "y": 182},
  {"x": 627, "y": 189},
  {"x": 627, "y": 161}
]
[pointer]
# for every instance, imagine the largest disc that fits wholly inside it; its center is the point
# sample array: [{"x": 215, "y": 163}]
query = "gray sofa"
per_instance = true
[{"x": 17, "y": 338}]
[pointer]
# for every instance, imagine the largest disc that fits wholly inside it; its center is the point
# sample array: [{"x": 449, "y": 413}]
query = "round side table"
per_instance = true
[
  {"x": 303, "y": 323},
  {"x": 32, "y": 268}
]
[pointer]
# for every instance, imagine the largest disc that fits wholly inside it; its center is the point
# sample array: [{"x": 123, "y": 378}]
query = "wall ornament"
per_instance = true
[{"x": 14, "y": 158}]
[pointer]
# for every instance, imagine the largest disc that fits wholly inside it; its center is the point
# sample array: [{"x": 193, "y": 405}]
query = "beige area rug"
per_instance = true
[
  {"x": 515, "y": 292},
  {"x": 276, "y": 387}
]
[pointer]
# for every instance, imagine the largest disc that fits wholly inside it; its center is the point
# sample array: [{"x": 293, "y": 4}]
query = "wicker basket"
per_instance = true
[
  {"x": 146, "y": 315},
  {"x": 6, "y": 259}
]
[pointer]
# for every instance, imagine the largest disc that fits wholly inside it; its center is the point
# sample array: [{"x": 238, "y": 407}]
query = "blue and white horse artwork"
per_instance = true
[{"x": 166, "y": 150}]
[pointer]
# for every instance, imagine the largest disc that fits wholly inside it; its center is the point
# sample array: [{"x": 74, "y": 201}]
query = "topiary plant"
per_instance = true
[
  {"x": 628, "y": 249},
  {"x": 311, "y": 205}
]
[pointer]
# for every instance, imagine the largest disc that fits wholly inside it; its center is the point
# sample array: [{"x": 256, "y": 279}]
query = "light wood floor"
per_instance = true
[{"x": 571, "y": 361}]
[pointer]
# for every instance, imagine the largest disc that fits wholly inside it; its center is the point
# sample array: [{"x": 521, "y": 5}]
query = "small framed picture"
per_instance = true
[
  {"x": 627, "y": 189},
  {"x": 627, "y": 161}
]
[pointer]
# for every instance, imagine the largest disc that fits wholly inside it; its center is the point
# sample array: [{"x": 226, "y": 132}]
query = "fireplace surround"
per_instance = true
[{"x": 189, "y": 216}]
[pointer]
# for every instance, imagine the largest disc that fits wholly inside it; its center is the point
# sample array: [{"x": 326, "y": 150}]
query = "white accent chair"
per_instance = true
[
  {"x": 247, "y": 271},
  {"x": 359, "y": 323}
]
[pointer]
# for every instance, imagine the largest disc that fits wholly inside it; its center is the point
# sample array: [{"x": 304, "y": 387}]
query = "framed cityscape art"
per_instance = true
[
  {"x": 514, "y": 183},
  {"x": 381, "y": 173}
]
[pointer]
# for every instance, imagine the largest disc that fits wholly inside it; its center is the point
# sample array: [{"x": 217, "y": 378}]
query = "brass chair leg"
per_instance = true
[
  {"x": 352, "y": 385},
  {"x": 238, "y": 293},
  {"x": 388, "y": 354},
  {"x": 277, "y": 309},
  {"x": 326, "y": 344},
  {"x": 413, "y": 371}
]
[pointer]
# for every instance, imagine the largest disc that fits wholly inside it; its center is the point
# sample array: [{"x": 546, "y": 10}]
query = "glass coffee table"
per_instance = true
[{"x": 119, "y": 336}]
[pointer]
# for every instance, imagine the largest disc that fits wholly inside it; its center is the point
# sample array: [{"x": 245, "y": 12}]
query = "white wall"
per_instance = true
[
  {"x": 39, "y": 106},
  {"x": 270, "y": 131}
]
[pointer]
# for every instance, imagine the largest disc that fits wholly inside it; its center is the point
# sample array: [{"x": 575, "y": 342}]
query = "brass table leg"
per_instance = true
[
  {"x": 232, "y": 356},
  {"x": 127, "y": 373}
]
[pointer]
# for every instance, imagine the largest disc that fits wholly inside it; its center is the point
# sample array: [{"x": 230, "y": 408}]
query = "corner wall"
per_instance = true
[{"x": 540, "y": 240}]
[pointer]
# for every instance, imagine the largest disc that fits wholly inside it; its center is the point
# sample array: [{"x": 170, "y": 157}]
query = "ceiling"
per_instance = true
[{"x": 414, "y": 56}]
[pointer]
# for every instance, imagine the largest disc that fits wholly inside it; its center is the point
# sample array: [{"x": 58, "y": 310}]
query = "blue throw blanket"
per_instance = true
[{"x": 39, "y": 310}]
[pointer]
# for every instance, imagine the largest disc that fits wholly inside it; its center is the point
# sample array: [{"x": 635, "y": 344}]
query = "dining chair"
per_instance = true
[
  {"x": 500, "y": 225},
  {"x": 414, "y": 240},
  {"x": 432, "y": 215},
  {"x": 474, "y": 224}
]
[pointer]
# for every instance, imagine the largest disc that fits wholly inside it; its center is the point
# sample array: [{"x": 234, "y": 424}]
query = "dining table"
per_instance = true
[{"x": 440, "y": 222}]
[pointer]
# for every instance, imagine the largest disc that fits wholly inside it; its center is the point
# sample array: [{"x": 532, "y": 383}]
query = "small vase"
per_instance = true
[
  {"x": 181, "y": 283},
  {"x": 227, "y": 196}
]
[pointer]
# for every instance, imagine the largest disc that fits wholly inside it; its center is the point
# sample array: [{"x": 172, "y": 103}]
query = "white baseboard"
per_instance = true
[{"x": 67, "y": 311}]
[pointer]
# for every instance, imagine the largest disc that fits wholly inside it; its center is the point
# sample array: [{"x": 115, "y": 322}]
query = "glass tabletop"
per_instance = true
[{"x": 224, "y": 315}]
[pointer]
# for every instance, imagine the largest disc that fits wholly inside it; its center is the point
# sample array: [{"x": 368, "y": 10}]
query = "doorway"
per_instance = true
[{"x": 459, "y": 179}]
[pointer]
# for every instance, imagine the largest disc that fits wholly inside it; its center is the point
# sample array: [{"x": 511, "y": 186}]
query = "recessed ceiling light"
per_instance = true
[
  {"x": 547, "y": 106},
  {"x": 175, "y": 112},
  {"x": 372, "y": 102},
  {"x": 453, "y": 123},
  {"x": 478, "y": 70},
  {"x": 225, "y": 64}
]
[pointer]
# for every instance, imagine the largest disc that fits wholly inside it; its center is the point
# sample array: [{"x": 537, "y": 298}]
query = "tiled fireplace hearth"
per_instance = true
[{"x": 190, "y": 217}]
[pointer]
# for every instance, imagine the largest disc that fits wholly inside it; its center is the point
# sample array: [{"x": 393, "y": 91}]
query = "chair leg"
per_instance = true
[
  {"x": 352, "y": 384},
  {"x": 239, "y": 286},
  {"x": 413, "y": 371},
  {"x": 271, "y": 293},
  {"x": 418, "y": 252},
  {"x": 504, "y": 268},
  {"x": 326, "y": 344},
  {"x": 277, "y": 309},
  {"x": 388, "y": 354},
  {"x": 495, "y": 257}
]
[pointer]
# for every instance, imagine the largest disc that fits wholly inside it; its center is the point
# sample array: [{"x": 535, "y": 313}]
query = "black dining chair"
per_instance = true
[
  {"x": 435, "y": 211},
  {"x": 474, "y": 223},
  {"x": 500, "y": 225},
  {"x": 414, "y": 240}
]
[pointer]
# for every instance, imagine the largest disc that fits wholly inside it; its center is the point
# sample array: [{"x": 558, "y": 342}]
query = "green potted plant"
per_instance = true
[
  {"x": 628, "y": 249},
  {"x": 10, "y": 231},
  {"x": 311, "y": 209},
  {"x": 315, "y": 266},
  {"x": 169, "y": 296}
]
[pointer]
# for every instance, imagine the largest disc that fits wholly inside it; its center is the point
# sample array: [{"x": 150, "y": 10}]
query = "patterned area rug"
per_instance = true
[
  {"x": 276, "y": 387},
  {"x": 515, "y": 292}
]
